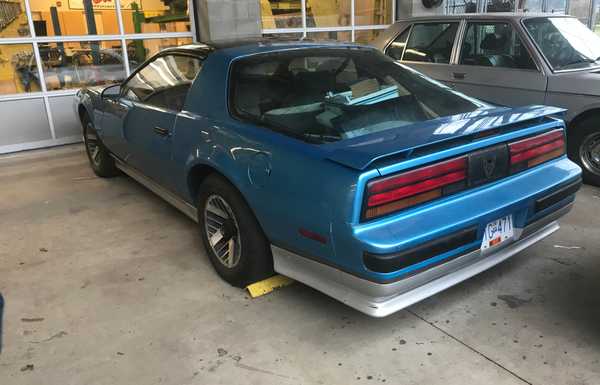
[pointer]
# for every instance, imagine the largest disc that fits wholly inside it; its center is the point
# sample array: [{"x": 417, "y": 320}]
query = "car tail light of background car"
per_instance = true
[{"x": 397, "y": 192}]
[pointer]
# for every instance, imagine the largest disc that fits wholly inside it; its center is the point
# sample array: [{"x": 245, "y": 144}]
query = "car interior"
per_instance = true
[{"x": 327, "y": 98}]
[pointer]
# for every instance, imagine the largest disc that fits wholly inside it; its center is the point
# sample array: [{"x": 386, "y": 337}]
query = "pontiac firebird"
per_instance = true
[{"x": 333, "y": 165}]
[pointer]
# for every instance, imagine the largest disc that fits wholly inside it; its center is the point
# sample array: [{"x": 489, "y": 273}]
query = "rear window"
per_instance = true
[{"x": 325, "y": 95}]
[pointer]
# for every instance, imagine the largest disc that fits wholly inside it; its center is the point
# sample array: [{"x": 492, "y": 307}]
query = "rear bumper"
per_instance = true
[{"x": 381, "y": 299}]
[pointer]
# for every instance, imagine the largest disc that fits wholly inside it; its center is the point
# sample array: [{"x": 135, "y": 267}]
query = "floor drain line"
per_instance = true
[{"x": 471, "y": 348}]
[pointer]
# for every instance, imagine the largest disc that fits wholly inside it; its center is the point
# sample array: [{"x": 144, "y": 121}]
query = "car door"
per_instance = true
[
  {"x": 494, "y": 64},
  {"x": 152, "y": 97},
  {"x": 427, "y": 47}
]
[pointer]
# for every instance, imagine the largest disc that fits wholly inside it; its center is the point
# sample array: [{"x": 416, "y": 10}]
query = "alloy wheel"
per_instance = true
[
  {"x": 589, "y": 153},
  {"x": 222, "y": 231},
  {"x": 92, "y": 144}
]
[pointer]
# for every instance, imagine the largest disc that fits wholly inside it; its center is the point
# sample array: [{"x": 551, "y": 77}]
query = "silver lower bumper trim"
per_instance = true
[{"x": 382, "y": 299}]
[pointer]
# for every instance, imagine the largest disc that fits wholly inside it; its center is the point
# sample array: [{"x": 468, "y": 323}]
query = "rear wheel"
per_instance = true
[
  {"x": 584, "y": 148},
  {"x": 234, "y": 241},
  {"x": 99, "y": 156}
]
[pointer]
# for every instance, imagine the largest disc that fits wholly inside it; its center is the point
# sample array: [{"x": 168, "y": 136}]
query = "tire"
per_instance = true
[
  {"x": 233, "y": 238},
  {"x": 584, "y": 148},
  {"x": 101, "y": 162}
]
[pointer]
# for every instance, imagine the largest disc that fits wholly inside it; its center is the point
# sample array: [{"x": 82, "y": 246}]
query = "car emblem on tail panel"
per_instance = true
[{"x": 489, "y": 164}]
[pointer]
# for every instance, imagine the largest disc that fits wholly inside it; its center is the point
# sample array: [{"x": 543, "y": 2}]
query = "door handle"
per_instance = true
[
  {"x": 458, "y": 75},
  {"x": 162, "y": 131}
]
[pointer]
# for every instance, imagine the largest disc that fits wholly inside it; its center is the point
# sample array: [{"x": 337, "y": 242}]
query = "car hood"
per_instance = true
[
  {"x": 584, "y": 82},
  {"x": 360, "y": 152}
]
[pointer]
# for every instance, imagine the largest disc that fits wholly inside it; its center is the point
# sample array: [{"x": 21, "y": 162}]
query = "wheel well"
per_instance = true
[
  {"x": 81, "y": 110},
  {"x": 197, "y": 175},
  {"x": 581, "y": 117}
]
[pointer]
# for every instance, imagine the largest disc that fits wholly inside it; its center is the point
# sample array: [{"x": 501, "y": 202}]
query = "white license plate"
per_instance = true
[{"x": 497, "y": 232}]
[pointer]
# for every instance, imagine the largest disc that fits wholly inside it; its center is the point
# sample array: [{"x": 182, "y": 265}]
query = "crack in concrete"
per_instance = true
[{"x": 471, "y": 348}]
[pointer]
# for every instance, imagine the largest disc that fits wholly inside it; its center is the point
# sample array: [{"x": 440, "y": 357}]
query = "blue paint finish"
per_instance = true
[{"x": 290, "y": 184}]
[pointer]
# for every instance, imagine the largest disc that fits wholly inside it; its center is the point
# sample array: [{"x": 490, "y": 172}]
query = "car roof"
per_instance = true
[
  {"x": 259, "y": 44},
  {"x": 493, "y": 15}
]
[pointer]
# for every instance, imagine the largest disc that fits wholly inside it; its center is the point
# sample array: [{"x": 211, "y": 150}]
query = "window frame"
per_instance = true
[
  {"x": 436, "y": 21},
  {"x": 517, "y": 28},
  {"x": 176, "y": 52},
  {"x": 535, "y": 48}
]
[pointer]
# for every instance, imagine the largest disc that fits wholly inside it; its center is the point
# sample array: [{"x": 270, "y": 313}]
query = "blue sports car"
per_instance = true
[{"x": 334, "y": 165}]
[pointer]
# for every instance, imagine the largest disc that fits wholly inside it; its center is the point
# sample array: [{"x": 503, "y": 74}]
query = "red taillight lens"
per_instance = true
[
  {"x": 535, "y": 150},
  {"x": 414, "y": 187}
]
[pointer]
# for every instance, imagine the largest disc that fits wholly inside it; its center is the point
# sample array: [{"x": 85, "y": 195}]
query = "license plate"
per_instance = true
[{"x": 497, "y": 232}]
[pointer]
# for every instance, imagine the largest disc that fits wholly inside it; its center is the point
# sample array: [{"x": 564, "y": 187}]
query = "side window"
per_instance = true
[
  {"x": 431, "y": 42},
  {"x": 164, "y": 82},
  {"x": 396, "y": 48},
  {"x": 494, "y": 45}
]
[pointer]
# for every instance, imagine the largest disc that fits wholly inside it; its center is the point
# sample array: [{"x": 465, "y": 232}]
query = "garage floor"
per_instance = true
[{"x": 105, "y": 283}]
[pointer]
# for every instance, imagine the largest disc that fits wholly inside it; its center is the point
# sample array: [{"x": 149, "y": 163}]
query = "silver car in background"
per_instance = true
[{"x": 513, "y": 60}]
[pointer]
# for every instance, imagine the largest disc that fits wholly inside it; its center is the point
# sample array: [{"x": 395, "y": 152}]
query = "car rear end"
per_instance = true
[{"x": 429, "y": 216}]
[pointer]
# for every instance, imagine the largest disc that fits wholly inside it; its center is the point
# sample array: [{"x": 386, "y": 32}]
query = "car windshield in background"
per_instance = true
[
  {"x": 565, "y": 42},
  {"x": 325, "y": 95}
]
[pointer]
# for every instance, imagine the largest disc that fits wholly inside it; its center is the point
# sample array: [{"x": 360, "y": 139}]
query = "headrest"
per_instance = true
[{"x": 493, "y": 42}]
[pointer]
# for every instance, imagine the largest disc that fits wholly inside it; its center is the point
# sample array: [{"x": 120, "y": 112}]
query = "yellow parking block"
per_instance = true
[{"x": 268, "y": 285}]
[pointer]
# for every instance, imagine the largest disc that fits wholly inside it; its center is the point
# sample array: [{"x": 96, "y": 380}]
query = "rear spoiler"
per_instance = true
[{"x": 359, "y": 153}]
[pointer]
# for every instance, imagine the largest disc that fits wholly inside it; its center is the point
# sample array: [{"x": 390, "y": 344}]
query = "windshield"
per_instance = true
[
  {"x": 329, "y": 94},
  {"x": 565, "y": 42}
]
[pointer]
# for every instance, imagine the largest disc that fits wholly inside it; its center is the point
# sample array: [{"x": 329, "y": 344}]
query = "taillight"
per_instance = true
[
  {"x": 532, "y": 151},
  {"x": 384, "y": 196}
]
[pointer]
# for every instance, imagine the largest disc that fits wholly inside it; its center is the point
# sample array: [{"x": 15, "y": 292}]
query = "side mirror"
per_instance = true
[{"x": 112, "y": 92}]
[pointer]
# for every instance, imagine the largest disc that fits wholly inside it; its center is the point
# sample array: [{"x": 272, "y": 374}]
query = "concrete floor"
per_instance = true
[{"x": 106, "y": 284}]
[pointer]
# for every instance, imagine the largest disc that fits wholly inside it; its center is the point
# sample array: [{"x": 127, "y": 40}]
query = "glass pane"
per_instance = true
[
  {"x": 531, "y": 5},
  {"x": 556, "y": 6},
  {"x": 73, "y": 17},
  {"x": 77, "y": 64},
  {"x": 164, "y": 82},
  {"x": 462, "y": 6},
  {"x": 13, "y": 19},
  {"x": 155, "y": 16},
  {"x": 372, "y": 12},
  {"x": 281, "y": 13},
  {"x": 140, "y": 50},
  {"x": 431, "y": 42},
  {"x": 283, "y": 36},
  {"x": 366, "y": 36},
  {"x": 494, "y": 45},
  {"x": 333, "y": 94},
  {"x": 328, "y": 13},
  {"x": 500, "y": 5},
  {"x": 396, "y": 48},
  {"x": 18, "y": 72},
  {"x": 333, "y": 35}
]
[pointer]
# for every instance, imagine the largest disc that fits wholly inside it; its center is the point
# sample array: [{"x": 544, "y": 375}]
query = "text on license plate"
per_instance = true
[{"x": 497, "y": 232}]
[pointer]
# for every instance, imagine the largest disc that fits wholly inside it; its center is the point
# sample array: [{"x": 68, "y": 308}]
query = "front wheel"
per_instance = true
[
  {"x": 234, "y": 241},
  {"x": 101, "y": 162},
  {"x": 584, "y": 149}
]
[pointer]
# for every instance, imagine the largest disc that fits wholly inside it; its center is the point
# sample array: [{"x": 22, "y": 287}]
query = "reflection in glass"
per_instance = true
[
  {"x": 565, "y": 42},
  {"x": 281, "y": 13},
  {"x": 13, "y": 19},
  {"x": 530, "y": 5},
  {"x": 77, "y": 64},
  {"x": 74, "y": 17},
  {"x": 140, "y": 50},
  {"x": 333, "y": 35},
  {"x": 15, "y": 74},
  {"x": 366, "y": 36},
  {"x": 372, "y": 12},
  {"x": 328, "y": 13},
  {"x": 149, "y": 16},
  {"x": 462, "y": 6},
  {"x": 283, "y": 36},
  {"x": 500, "y": 6}
]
